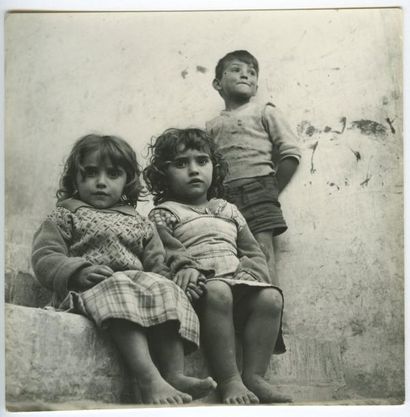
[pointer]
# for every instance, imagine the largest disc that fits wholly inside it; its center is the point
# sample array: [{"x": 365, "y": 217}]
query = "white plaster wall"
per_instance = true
[{"x": 135, "y": 74}]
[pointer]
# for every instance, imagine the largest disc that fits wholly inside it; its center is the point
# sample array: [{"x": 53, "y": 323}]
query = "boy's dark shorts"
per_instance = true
[{"x": 257, "y": 200}]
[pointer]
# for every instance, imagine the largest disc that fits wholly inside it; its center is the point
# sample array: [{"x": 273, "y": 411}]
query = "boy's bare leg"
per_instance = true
[
  {"x": 265, "y": 240},
  {"x": 261, "y": 330},
  {"x": 133, "y": 345},
  {"x": 169, "y": 352},
  {"x": 218, "y": 337}
]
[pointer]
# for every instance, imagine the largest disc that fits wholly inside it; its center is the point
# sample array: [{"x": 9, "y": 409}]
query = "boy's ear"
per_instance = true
[{"x": 216, "y": 84}]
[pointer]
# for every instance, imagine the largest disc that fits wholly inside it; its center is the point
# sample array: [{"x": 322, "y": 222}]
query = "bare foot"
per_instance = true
[
  {"x": 158, "y": 391},
  {"x": 196, "y": 387},
  {"x": 234, "y": 392},
  {"x": 264, "y": 391}
]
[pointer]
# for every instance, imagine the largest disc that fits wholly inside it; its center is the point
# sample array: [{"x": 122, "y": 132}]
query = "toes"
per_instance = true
[
  {"x": 253, "y": 398},
  {"x": 212, "y": 382},
  {"x": 242, "y": 401},
  {"x": 186, "y": 398},
  {"x": 178, "y": 400}
]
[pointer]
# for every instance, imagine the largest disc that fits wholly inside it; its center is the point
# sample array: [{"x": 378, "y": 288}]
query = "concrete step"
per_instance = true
[{"x": 54, "y": 358}]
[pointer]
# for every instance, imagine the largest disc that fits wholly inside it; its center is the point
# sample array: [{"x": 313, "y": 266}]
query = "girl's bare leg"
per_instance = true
[
  {"x": 261, "y": 330},
  {"x": 265, "y": 240},
  {"x": 132, "y": 342},
  {"x": 218, "y": 337},
  {"x": 169, "y": 353}
]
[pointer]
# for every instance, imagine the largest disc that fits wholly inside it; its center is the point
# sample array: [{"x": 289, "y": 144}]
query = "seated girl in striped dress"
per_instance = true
[
  {"x": 103, "y": 260},
  {"x": 185, "y": 175}
]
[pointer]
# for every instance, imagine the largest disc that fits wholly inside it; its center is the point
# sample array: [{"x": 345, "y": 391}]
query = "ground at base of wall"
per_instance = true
[{"x": 94, "y": 405}]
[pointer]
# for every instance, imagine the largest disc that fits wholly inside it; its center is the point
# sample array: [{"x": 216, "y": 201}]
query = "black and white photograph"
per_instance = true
[{"x": 204, "y": 210}]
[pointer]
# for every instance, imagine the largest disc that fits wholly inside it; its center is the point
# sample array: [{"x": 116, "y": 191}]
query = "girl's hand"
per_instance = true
[
  {"x": 196, "y": 291},
  {"x": 90, "y": 276},
  {"x": 186, "y": 276}
]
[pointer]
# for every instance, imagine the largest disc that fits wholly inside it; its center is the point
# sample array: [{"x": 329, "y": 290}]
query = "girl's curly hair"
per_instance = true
[
  {"x": 165, "y": 147},
  {"x": 113, "y": 148}
]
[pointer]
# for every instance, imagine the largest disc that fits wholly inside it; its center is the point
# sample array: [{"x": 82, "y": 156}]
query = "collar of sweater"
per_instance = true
[{"x": 73, "y": 205}]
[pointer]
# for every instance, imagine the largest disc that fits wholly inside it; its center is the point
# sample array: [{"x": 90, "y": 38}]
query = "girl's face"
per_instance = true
[
  {"x": 190, "y": 176},
  {"x": 102, "y": 184}
]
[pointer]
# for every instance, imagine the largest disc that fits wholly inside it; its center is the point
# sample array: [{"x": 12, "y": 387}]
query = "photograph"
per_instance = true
[{"x": 204, "y": 208}]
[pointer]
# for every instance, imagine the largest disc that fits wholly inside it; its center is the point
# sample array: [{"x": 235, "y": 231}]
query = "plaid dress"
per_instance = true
[{"x": 76, "y": 235}]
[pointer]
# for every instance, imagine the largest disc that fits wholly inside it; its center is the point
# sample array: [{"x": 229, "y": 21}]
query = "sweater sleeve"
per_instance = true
[
  {"x": 52, "y": 264},
  {"x": 177, "y": 256},
  {"x": 282, "y": 136},
  {"x": 154, "y": 255}
]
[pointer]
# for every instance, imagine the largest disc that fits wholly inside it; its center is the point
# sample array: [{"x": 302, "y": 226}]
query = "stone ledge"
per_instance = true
[
  {"x": 56, "y": 357},
  {"x": 22, "y": 288}
]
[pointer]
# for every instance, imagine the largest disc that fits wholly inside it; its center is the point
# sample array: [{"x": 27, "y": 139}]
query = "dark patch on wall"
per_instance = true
[
  {"x": 332, "y": 184},
  {"x": 369, "y": 127},
  {"x": 366, "y": 181},
  {"x": 390, "y": 123},
  {"x": 342, "y": 120},
  {"x": 184, "y": 73},
  {"x": 356, "y": 154},
  {"x": 310, "y": 130},
  {"x": 313, "y": 147},
  {"x": 306, "y": 128},
  {"x": 202, "y": 69},
  {"x": 357, "y": 327}
]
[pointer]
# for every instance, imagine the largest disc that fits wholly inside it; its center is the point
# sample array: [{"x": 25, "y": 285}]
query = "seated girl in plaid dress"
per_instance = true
[
  {"x": 105, "y": 261},
  {"x": 185, "y": 176}
]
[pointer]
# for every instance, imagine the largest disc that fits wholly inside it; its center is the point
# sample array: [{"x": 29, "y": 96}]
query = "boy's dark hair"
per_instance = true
[
  {"x": 165, "y": 147},
  {"x": 241, "y": 55},
  {"x": 113, "y": 148}
]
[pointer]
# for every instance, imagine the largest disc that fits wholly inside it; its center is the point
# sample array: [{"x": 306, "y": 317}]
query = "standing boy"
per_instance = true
[{"x": 259, "y": 146}]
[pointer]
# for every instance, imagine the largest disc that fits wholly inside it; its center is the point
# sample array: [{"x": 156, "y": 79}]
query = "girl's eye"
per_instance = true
[
  {"x": 113, "y": 172},
  {"x": 252, "y": 72},
  {"x": 90, "y": 172},
  {"x": 180, "y": 163},
  {"x": 203, "y": 160}
]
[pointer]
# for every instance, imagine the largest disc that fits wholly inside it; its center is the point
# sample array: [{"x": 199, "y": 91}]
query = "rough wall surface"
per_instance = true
[{"x": 337, "y": 77}]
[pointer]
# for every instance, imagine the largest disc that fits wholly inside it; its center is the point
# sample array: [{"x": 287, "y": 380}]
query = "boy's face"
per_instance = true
[{"x": 239, "y": 81}]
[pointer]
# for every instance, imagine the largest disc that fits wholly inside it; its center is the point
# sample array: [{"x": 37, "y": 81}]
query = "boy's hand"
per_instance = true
[
  {"x": 90, "y": 276},
  {"x": 191, "y": 281},
  {"x": 286, "y": 168}
]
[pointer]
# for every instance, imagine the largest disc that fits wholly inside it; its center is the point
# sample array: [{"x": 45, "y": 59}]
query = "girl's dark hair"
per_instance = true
[
  {"x": 241, "y": 55},
  {"x": 113, "y": 148},
  {"x": 165, "y": 148}
]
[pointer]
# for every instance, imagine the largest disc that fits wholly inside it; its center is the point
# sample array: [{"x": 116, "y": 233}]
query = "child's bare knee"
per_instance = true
[
  {"x": 219, "y": 294},
  {"x": 271, "y": 300}
]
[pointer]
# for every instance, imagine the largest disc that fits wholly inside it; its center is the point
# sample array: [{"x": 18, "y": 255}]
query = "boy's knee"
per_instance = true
[{"x": 266, "y": 244}]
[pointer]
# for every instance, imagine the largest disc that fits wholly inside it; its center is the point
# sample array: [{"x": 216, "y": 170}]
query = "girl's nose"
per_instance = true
[
  {"x": 193, "y": 168},
  {"x": 101, "y": 181}
]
